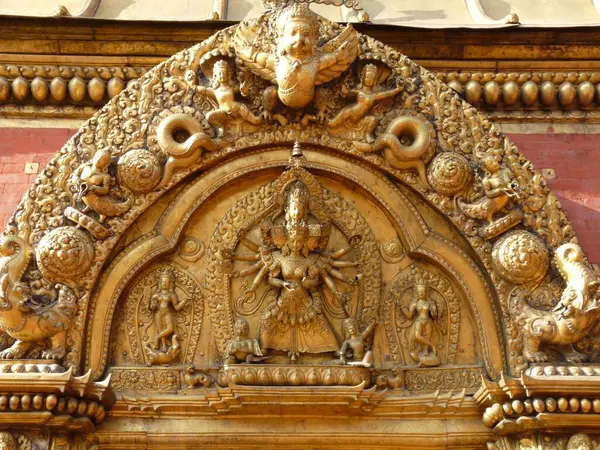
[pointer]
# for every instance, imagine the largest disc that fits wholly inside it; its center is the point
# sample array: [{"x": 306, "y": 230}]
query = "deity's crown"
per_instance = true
[
  {"x": 221, "y": 64},
  {"x": 168, "y": 274},
  {"x": 298, "y": 11}
]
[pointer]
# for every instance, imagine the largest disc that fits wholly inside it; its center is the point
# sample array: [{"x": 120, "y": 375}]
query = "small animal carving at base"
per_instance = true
[
  {"x": 393, "y": 381},
  {"x": 194, "y": 378},
  {"x": 241, "y": 348},
  {"x": 577, "y": 311},
  {"x": 157, "y": 357}
]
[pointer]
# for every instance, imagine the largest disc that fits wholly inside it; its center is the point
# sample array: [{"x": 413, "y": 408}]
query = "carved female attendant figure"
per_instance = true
[
  {"x": 355, "y": 116},
  {"x": 163, "y": 302},
  {"x": 223, "y": 92},
  {"x": 424, "y": 312},
  {"x": 93, "y": 181},
  {"x": 499, "y": 186}
]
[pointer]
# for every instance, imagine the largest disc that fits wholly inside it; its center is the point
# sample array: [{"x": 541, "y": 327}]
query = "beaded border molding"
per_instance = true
[{"x": 77, "y": 92}]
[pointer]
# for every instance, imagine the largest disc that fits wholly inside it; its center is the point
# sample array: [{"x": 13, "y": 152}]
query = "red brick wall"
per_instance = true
[{"x": 574, "y": 157}]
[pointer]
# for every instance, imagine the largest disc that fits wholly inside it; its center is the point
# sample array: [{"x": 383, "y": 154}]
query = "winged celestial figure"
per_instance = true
[{"x": 297, "y": 64}]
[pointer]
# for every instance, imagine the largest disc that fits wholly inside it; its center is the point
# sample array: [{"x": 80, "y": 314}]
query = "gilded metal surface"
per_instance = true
[{"x": 380, "y": 256}]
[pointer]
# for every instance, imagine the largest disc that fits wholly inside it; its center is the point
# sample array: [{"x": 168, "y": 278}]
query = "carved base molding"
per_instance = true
[
  {"x": 290, "y": 375},
  {"x": 548, "y": 407},
  {"x": 45, "y": 406}
]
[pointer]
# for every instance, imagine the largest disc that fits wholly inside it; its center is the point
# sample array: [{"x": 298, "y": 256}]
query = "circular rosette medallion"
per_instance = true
[
  {"x": 65, "y": 253},
  {"x": 521, "y": 258},
  {"x": 449, "y": 173},
  {"x": 139, "y": 170}
]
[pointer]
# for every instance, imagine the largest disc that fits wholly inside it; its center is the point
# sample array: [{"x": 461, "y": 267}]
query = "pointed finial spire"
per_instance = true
[{"x": 297, "y": 150}]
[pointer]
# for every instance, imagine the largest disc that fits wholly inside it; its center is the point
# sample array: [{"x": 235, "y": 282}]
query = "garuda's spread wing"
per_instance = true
[
  {"x": 245, "y": 52},
  {"x": 344, "y": 56}
]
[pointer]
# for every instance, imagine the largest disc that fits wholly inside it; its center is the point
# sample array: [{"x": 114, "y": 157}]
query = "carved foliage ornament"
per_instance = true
[{"x": 290, "y": 65}]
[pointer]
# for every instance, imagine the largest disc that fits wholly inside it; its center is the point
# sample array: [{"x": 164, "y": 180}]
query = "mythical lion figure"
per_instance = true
[
  {"x": 24, "y": 319},
  {"x": 572, "y": 318}
]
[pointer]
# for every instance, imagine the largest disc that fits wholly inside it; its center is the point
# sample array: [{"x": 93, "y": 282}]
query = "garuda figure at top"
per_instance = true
[{"x": 293, "y": 58}]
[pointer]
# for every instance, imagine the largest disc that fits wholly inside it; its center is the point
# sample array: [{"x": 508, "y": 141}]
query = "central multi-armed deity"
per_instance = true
[{"x": 294, "y": 259}]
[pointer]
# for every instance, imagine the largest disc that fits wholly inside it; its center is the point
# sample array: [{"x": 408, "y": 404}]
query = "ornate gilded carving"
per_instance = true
[
  {"x": 139, "y": 170},
  {"x": 7, "y": 441},
  {"x": 395, "y": 380},
  {"x": 297, "y": 65},
  {"x": 64, "y": 254},
  {"x": 423, "y": 312},
  {"x": 182, "y": 138},
  {"x": 294, "y": 258},
  {"x": 352, "y": 121},
  {"x": 231, "y": 115},
  {"x": 164, "y": 316},
  {"x": 354, "y": 350},
  {"x": 577, "y": 441},
  {"x": 194, "y": 378},
  {"x": 295, "y": 263},
  {"x": 164, "y": 346},
  {"x": 37, "y": 329},
  {"x": 93, "y": 184},
  {"x": 447, "y": 378},
  {"x": 521, "y": 258},
  {"x": 423, "y": 318},
  {"x": 499, "y": 188},
  {"x": 144, "y": 379},
  {"x": 294, "y": 375},
  {"x": 571, "y": 319},
  {"x": 241, "y": 348},
  {"x": 516, "y": 98},
  {"x": 191, "y": 249},
  {"x": 449, "y": 173},
  {"x": 392, "y": 251},
  {"x": 407, "y": 144}
]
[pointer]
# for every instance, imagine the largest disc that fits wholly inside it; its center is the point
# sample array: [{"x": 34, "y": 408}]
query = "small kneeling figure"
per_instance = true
[
  {"x": 353, "y": 350},
  {"x": 241, "y": 348}
]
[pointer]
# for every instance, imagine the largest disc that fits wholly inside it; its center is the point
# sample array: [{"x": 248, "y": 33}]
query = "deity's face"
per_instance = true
[
  {"x": 299, "y": 39},
  {"x": 421, "y": 292},
  {"x": 166, "y": 283},
  {"x": 349, "y": 329},
  {"x": 102, "y": 159},
  {"x": 296, "y": 241},
  {"x": 370, "y": 77},
  {"x": 491, "y": 165},
  {"x": 222, "y": 73}
]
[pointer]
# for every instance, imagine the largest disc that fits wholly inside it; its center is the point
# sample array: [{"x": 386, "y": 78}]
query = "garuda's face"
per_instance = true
[{"x": 299, "y": 39}]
